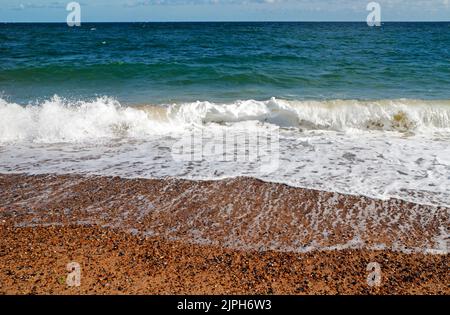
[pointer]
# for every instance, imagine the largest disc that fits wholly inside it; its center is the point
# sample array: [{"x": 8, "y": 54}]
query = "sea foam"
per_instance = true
[
  {"x": 57, "y": 120},
  {"x": 380, "y": 149}
]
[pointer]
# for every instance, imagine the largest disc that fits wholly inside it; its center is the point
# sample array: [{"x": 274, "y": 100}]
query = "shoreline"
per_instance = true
[
  {"x": 238, "y": 213},
  {"x": 233, "y": 236}
]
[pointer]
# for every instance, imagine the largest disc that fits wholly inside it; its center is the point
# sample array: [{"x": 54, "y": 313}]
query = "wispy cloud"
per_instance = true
[
  {"x": 121, "y": 10},
  {"x": 49, "y": 5},
  {"x": 28, "y": 5},
  {"x": 140, "y": 3},
  {"x": 317, "y": 3}
]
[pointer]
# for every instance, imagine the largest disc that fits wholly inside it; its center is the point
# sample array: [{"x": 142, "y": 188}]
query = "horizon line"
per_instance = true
[{"x": 223, "y": 21}]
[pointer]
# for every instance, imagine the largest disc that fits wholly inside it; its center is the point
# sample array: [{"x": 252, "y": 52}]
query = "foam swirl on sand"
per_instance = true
[{"x": 239, "y": 213}]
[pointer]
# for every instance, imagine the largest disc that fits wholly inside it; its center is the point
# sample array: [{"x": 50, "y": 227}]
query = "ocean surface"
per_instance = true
[
  {"x": 224, "y": 62},
  {"x": 341, "y": 106}
]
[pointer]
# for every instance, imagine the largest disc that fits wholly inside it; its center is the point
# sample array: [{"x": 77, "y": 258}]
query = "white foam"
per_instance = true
[
  {"x": 380, "y": 149},
  {"x": 58, "y": 120},
  {"x": 339, "y": 115}
]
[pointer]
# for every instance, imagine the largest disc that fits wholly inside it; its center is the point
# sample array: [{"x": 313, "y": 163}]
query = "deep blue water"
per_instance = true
[{"x": 177, "y": 62}]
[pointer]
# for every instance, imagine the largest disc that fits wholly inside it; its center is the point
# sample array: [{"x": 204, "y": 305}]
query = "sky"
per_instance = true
[{"x": 223, "y": 10}]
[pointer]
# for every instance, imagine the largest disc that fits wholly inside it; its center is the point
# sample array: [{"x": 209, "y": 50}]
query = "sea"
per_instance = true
[{"x": 339, "y": 107}]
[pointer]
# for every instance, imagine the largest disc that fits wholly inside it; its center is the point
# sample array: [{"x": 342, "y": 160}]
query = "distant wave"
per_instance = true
[{"x": 58, "y": 120}]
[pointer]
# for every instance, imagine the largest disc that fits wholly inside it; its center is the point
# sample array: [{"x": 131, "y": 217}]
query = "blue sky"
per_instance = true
[{"x": 223, "y": 10}]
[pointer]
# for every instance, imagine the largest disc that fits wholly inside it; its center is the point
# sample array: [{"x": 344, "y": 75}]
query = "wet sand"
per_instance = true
[{"x": 236, "y": 236}]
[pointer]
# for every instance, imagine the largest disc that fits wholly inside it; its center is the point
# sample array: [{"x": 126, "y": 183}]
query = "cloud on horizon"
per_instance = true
[
  {"x": 28, "y": 5},
  {"x": 342, "y": 3},
  {"x": 176, "y": 10},
  {"x": 138, "y": 3},
  {"x": 49, "y": 5}
]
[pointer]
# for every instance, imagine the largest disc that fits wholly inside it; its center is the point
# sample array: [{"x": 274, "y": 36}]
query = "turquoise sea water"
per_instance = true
[{"x": 182, "y": 62}]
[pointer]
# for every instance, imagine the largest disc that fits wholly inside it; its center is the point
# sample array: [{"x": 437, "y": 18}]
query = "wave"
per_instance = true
[
  {"x": 337, "y": 115},
  {"x": 59, "y": 120}
]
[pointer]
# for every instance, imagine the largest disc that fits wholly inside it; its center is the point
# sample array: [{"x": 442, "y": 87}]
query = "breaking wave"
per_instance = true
[{"x": 58, "y": 120}]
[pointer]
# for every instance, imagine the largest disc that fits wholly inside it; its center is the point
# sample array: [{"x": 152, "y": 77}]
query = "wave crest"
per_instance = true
[
  {"x": 57, "y": 120},
  {"x": 338, "y": 115}
]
